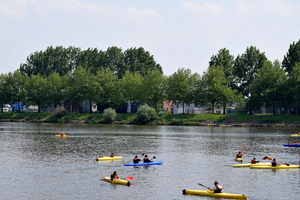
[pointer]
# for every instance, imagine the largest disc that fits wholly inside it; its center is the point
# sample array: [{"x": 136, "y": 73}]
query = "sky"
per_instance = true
[{"x": 178, "y": 33}]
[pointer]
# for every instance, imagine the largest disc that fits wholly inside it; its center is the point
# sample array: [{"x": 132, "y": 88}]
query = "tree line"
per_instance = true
[{"x": 115, "y": 77}]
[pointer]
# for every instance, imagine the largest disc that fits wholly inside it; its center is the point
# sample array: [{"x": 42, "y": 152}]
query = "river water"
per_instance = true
[{"x": 37, "y": 165}]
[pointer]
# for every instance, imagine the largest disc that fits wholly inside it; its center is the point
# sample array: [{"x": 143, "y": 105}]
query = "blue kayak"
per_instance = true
[
  {"x": 292, "y": 145},
  {"x": 140, "y": 164}
]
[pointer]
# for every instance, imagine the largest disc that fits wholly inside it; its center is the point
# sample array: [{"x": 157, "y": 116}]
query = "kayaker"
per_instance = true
[
  {"x": 114, "y": 175},
  {"x": 136, "y": 159},
  {"x": 254, "y": 161},
  {"x": 239, "y": 155},
  {"x": 146, "y": 159},
  {"x": 112, "y": 155},
  {"x": 218, "y": 188},
  {"x": 62, "y": 134},
  {"x": 274, "y": 162}
]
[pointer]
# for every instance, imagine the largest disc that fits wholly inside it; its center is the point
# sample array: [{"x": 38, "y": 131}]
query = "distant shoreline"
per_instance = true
[{"x": 232, "y": 120}]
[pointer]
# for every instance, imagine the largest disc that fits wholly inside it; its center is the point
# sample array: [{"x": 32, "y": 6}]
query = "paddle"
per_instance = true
[
  {"x": 243, "y": 148},
  {"x": 266, "y": 157},
  {"x": 204, "y": 186},
  {"x": 128, "y": 178}
]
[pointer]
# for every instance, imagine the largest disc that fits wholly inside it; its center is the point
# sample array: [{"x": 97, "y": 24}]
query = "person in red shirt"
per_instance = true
[
  {"x": 239, "y": 155},
  {"x": 114, "y": 175}
]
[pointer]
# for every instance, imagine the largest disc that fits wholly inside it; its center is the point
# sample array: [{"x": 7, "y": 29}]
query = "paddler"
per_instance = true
[
  {"x": 239, "y": 155},
  {"x": 254, "y": 161},
  {"x": 146, "y": 159},
  {"x": 114, "y": 176},
  {"x": 112, "y": 155},
  {"x": 136, "y": 159},
  {"x": 274, "y": 162},
  {"x": 62, "y": 134},
  {"x": 218, "y": 188}
]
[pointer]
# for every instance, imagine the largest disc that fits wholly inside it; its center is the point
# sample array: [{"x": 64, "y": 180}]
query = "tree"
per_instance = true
[
  {"x": 15, "y": 87},
  {"x": 114, "y": 60},
  {"x": 293, "y": 86},
  {"x": 4, "y": 92},
  {"x": 268, "y": 86},
  {"x": 55, "y": 89},
  {"x": 213, "y": 90},
  {"x": 130, "y": 85},
  {"x": 139, "y": 60},
  {"x": 47, "y": 62},
  {"x": 105, "y": 88},
  {"x": 79, "y": 86},
  {"x": 35, "y": 91},
  {"x": 180, "y": 87},
  {"x": 292, "y": 57},
  {"x": 225, "y": 61},
  {"x": 91, "y": 59},
  {"x": 153, "y": 89},
  {"x": 245, "y": 70}
]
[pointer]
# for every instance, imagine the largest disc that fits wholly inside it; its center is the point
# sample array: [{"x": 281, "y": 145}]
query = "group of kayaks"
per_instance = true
[
  {"x": 122, "y": 181},
  {"x": 293, "y": 144}
]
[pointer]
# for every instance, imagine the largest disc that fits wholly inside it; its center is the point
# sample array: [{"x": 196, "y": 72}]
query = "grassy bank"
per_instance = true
[{"x": 179, "y": 119}]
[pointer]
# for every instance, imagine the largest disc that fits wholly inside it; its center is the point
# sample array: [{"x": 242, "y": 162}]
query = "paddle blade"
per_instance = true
[
  {"x": 264, "y": 158},
  {"x": 244, "y": 148},
  {"x": 129, "y": 178},
  {"x": 269, "y": 158},
  {"x": 287, "y": 164}
]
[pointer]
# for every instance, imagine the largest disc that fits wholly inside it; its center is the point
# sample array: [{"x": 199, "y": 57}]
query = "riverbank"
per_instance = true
[{"x": 235, "y": 120}]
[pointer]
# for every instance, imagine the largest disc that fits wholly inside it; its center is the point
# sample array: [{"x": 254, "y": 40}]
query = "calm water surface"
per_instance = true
[{"x": 37, "y": 165}]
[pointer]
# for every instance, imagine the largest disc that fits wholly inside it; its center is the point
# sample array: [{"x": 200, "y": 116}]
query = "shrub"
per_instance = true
[
  {"x": 145, "y": 114},
  {"x": 109, "y": 115},
  {"x": 59, "y": 112},
  {"x": 179, "y": 122}
]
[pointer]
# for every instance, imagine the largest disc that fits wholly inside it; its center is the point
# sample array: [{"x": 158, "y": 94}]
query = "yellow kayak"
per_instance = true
[
  {"x": 239, "y": 159},
  {"x": 61, "y": 135},
  {"x": 249, "y": 164},
  {"x": 212, "y": 194},
  {"x": 116, "y": 181},
  {"x": 275, "y": 167},
  {"x": 295, "y": 135},
  {"x": 108, "y": 158}
]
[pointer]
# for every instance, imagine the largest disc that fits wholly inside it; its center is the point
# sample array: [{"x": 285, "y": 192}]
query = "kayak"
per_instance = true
[
  {"x": 249, "y": 164},
  {"x": 239, "y": 159},
  {"x": 292, "y": 145},
  {"x": 295, "y": 135},
  {"x": 61, "y": 135},
  {"x": 223, "y": 125},
  {"x": 108, "y": 158},
  {"x": 116, "y": 181},
  {"x": 140, "y": 164},
  {"x": 275, "y": 167},
  {"x": 212, "y": 194},
  {"x": 212, "y": 124}
]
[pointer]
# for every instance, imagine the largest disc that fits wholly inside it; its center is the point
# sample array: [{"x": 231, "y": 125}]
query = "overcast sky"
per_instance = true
[{"x": 178, "y": 33}]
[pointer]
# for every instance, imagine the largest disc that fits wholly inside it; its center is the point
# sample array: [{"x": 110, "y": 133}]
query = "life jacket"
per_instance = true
[
  {"x": 136, "y": 160},
  {"x": 218, "y": 189},
  {"x": 239, "y": 155},
  {"x": 112, "y": 177},
  {"x": 146, "y": 160},
  {"x": 253, "y": 161},
  {"x": 274, "y": 163}
]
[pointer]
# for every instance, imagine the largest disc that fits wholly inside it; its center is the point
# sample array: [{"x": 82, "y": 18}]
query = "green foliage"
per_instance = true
[
  {"x": 179, "y": 122},
  {"x": 109, "y": 115},
  {"x": 292, "y": 57},
  {"x": 180, "y": 87},
  {"x": 58, "y": 112},
  {"x": 145, "y": 114}
]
